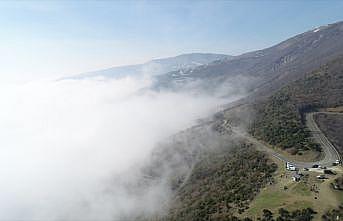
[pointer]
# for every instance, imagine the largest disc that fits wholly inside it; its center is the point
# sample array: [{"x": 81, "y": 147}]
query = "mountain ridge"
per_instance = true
[
  {"x": 266, "y": 70},
  {"x": 156, "y": 66}
]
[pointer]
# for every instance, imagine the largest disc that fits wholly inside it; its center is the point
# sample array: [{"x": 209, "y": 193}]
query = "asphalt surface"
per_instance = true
[{"x": 330, "y": 152}]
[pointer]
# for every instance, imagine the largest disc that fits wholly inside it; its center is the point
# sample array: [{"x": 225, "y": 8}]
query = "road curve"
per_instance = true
[{"x": 330, "y": 152}]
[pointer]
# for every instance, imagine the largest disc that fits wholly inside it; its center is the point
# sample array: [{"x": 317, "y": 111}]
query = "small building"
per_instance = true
[{"x": 296, "y": 177}]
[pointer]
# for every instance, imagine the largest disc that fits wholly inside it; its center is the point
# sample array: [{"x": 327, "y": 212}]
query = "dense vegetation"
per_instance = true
[
  {"x": 280, "y": 118},
  {"x": 279, "y": 123},
  {"x": 332, "y": 126},
  {"x": 334, "y": 214},
  {"x": 222, "y": 183},
  {"x": 284, "y": 215}
]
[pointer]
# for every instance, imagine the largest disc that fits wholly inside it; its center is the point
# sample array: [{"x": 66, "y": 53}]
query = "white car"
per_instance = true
[
  {"x": 292, "y": 168},
  {"x": 321, "y": 176}
]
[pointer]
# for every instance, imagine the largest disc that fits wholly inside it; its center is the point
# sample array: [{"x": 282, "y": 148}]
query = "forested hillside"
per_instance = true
[
  {"x": 280, "y": 119},
  {"x": 332, "y": 126},
  {"x": 222, "y": 183}
]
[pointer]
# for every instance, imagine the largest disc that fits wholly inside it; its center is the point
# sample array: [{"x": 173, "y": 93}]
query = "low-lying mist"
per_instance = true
[{"x": 63, "y": 142}]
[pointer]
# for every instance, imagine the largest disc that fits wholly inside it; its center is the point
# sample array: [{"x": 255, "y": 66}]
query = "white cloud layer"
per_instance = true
[{"x": 60, "y": 142}]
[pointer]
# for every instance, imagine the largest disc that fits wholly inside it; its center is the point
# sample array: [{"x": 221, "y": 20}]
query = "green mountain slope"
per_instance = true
[
  {"x": 279, "y": 119},
  {"x": 222, "y": 183},
  {"x": 332, "y": 126}
]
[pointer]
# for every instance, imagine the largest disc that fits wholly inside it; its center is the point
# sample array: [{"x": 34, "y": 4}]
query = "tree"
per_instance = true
[{"x": 267, "y": 215}]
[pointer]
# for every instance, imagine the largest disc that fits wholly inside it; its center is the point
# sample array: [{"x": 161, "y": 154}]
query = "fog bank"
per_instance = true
[{"x": 63, "y": 141}]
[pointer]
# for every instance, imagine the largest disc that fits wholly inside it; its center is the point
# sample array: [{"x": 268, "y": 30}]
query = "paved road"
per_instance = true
[{"x": 330, "y": 152}]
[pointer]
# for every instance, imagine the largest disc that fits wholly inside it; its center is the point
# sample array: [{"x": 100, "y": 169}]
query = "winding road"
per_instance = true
[{"x": 330, "y": 152}]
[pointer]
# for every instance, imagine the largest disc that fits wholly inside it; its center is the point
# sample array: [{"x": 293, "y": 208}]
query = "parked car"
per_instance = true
[
  {"x": 322, "y": 176},
  {"x": 329, "y": 172},
  {"x": 336, "y": 162},
  {"x": 292, "y": 168}
]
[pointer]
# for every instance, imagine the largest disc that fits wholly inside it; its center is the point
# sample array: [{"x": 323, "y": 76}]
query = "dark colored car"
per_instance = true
[{"x": 329, "y": 172}]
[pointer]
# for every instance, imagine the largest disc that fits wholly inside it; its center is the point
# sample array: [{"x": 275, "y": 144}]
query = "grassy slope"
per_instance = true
[{"x": 298, "y": 195}]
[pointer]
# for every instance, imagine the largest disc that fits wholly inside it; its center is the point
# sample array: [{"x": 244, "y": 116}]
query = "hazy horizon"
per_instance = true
[{"x": 54, "y": 39}]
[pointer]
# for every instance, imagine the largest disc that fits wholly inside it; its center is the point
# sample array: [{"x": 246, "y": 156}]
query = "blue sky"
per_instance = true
[{"x": 47, "y": 39}]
